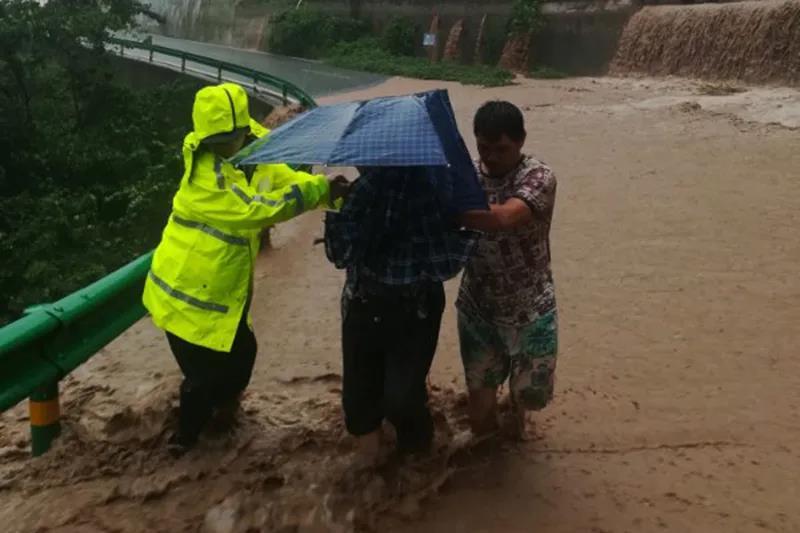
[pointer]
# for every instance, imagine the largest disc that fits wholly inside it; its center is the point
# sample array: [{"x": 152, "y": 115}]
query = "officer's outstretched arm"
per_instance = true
[
  {"x": 246, "y": 208},
  {"x": 280, "y": 175}
]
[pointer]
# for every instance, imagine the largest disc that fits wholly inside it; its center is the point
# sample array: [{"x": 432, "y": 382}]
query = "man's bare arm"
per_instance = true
[{"x": 501, "y": 217}]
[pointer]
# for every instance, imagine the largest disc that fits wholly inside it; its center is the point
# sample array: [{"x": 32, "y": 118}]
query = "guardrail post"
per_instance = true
[
  {"x": 285, "y": 99},
  {"x": 151, "y": 55},
  {"x": 219, "y": 73},
  {"x": 183, "y": 63},
  {"x": 45, "y": 417},
  {"x": 122, "y": 49}
]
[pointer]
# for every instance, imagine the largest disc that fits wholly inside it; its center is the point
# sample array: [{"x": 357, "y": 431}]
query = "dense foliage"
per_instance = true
[
  {"x": 367, "y": 54},
  {"x": 400, "y": 36},
  {"x": 350, "y": 43},
  {"x": 87, "y": 165},
  {"x": 309, "y": 33},
  {"x": 526, "y": 17}
]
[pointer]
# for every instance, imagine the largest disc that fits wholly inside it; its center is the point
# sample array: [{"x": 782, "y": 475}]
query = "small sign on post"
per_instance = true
[{"x": 430, "y": 44}]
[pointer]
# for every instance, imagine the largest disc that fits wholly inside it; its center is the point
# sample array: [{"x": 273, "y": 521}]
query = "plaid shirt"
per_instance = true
[{"x": 391, "y": 230}]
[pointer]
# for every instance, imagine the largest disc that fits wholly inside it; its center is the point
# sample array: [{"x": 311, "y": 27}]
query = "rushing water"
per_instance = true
[{"x": 755, "y": 42}]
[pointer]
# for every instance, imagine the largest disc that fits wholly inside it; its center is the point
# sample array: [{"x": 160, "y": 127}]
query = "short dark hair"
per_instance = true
[{"x": 497, "y": 118}]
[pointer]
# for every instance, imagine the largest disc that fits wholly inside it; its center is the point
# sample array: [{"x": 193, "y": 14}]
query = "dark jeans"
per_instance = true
[
  {"x": 211, "y": 379},
  {"x": 388, "y": 343}
]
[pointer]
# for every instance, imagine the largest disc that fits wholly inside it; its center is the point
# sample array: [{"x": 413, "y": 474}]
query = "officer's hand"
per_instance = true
[{"x": 340, "y": 187}]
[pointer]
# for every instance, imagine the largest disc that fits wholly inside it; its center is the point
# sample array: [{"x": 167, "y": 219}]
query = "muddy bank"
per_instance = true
[
  {"x": 754, "y": 42},
  {"x": 286, "y": 466}
]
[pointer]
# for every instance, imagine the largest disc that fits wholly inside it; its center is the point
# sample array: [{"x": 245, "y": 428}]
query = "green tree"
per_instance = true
[
  {"x": 66, "y": 33},
  {"x": 307, "y": 32},
  {"x": 526, "y": 17},
  {"x": 87, "y": 165},
  {"x": 400, "y": 36},
  {"x": 52, "y": 54}
]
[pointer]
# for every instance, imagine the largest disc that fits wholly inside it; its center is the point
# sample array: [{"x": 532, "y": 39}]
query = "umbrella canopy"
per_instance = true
[{"x": 413, "y": 130}]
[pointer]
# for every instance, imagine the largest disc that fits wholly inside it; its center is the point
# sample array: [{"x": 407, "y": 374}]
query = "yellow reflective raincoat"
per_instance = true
[{"x": 202, "y": 270}]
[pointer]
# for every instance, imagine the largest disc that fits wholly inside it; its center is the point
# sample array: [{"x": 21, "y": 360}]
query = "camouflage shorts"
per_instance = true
[{"x": 525, "y": 355}]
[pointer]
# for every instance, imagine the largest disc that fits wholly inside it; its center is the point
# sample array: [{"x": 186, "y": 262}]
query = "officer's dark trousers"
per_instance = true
[
  {"x": 388, "y": 346},
  {"x": 211, "y": 379}
]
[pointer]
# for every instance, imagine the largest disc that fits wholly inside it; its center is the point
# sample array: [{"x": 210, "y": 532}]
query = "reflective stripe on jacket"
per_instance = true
[{"x": 202, "y": 270}]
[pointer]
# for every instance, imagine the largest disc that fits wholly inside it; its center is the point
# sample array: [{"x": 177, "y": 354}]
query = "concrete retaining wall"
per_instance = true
[{"x": 580, "y": 37}]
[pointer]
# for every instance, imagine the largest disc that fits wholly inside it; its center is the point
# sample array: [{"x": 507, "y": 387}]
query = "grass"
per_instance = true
[{"x": 367, "y": 54}]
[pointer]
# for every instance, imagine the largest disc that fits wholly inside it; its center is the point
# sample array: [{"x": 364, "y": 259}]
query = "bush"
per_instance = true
[
  {"x": 526, "y": 17},
  {"x": 346, "y": 43},
  {"x": 308, "y": 33},
  {"x": 400, "y": 36},
  {"x": 367, "y": 54},
  {"x": 87, "y": 165},
  {"x": 96, "y": 199}
]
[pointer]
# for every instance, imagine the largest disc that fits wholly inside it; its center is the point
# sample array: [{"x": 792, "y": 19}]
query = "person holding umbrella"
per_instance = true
[
  {"x": 200, "y": 283},
  {"x": 397, "y": 239},
  {"x": 398, "y": 248}
]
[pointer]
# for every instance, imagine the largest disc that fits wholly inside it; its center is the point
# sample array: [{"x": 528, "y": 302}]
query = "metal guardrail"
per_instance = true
[
  {"x": 51, "y": 340},
  {"x": 284, "y": 90}
]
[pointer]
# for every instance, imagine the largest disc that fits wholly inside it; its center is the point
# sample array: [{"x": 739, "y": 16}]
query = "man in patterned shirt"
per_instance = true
[
  {"x": 507, "y": 321},
  {"x": 398, "y": 247}
]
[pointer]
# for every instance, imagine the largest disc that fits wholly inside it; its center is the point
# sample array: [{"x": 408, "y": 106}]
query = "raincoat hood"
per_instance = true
[{"x": 219, "y": 111}]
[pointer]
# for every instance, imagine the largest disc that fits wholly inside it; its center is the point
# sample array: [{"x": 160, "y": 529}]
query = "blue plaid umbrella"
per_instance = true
[{"x": 400, "y": 131}]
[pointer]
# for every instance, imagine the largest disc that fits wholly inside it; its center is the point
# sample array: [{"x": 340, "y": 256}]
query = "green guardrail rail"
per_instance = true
[
  {"x": 286, "y": 90},
  {"x": 51, "y": 340}
]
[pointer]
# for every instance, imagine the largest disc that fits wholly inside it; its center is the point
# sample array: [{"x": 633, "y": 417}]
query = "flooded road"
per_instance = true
[{"x": 678, "y": 390}]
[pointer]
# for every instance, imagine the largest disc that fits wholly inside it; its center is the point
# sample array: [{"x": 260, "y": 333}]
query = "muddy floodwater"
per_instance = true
[{"x": 677, "y": 409}]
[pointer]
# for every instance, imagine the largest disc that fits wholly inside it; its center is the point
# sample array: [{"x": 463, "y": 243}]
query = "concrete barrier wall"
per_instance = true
[{"x": 583, "y": 38}]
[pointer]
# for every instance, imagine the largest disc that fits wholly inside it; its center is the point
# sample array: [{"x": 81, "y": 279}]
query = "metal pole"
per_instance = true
[
  {"x": 45, "y": 417},
  {"x": 219, "y": 73},
  {"x": 183, "y": 63},
  {"x": 151, "y": 55}
]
